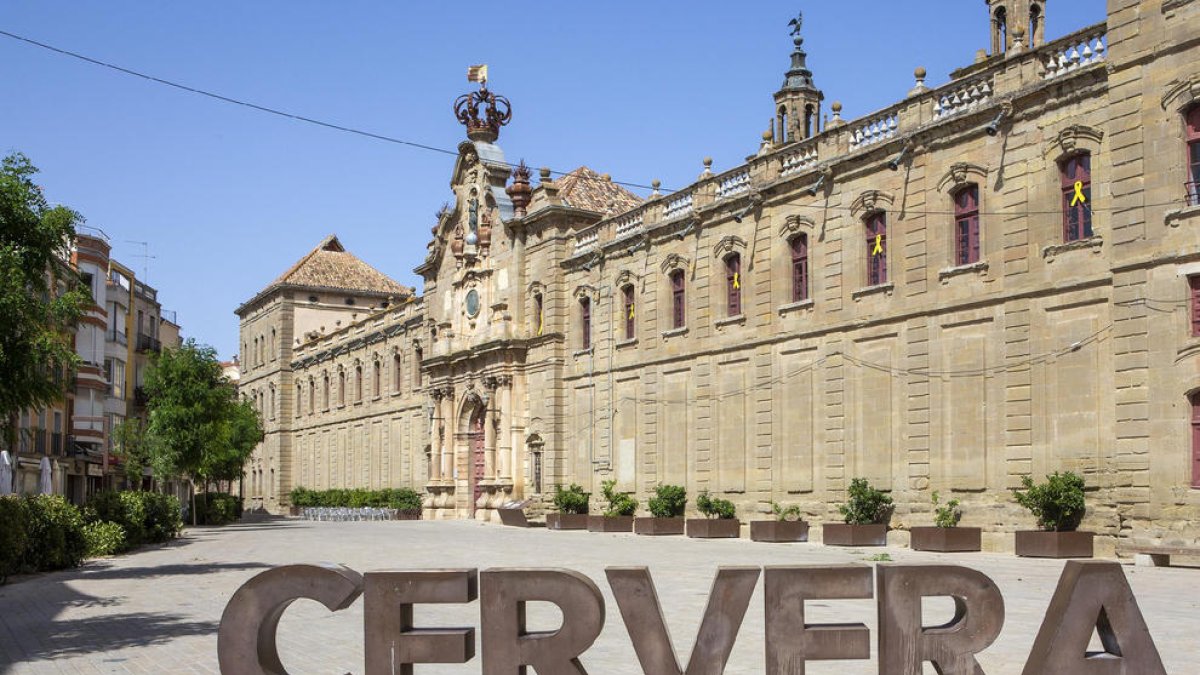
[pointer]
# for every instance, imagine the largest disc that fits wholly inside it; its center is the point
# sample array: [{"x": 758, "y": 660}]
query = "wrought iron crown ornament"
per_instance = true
[{"x": 497, "y": 112}]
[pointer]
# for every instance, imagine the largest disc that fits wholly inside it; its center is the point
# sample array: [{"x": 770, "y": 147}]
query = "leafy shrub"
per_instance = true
[
  {"x": 946, "y": 515},
  {"x": 866, "y": 505},
  {"x": 791, "y": 513},
  {"x": 404, "y": 499},
  {"x": 126, "y": 509},
  {"x": 1057, "y": 504},
  {"x": 619, "y": 503},
  {"x": 216, "y": 508},
  {"x": 715, "y": 508},
  {"x": 104, "y": 538},
  {"x": 164, "y": 517},
  {"x": 55, "y": 530},
  {"x": 571, "y": 500},
  {"x": 13, "y": 536},
  {"x": 669, "y": 501}
]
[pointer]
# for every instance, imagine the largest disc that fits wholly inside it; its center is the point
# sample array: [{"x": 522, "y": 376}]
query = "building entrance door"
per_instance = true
[{"x": 476, "y": 444}]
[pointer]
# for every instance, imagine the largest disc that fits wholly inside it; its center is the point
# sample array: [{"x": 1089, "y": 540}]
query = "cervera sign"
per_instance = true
[{"x": 1091, "y": 596}]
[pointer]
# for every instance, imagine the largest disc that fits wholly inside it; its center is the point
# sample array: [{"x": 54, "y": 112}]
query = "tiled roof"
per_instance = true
[
  {"x": 330, "y": 266},
  {"x": 586, "y": 189}
]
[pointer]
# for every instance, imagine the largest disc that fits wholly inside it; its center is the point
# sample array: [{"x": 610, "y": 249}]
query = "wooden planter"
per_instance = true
[
  {"x": 714, "y": 528},
  {"x": 1043, "y": 544},
  {"x": 610, "y": 523},
  {"x": 293, "y": 510},
  {"x": 657, "y": 526},
  {"x": 778, "y": 531},
  {"x": 567, "y": 521},
  {"x": 844, "y": 534},
  {"x": 945, "y": 539}
]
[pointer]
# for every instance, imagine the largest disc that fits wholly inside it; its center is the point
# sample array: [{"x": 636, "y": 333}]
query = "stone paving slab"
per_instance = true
[{"x": 157, "y": 610}]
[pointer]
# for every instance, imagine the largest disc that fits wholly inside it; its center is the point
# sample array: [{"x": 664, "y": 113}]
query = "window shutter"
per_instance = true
[{"x": 1194, "y": 287}]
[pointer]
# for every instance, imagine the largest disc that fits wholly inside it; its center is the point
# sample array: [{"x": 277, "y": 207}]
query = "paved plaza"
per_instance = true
[{"x": 156, "y": 611}]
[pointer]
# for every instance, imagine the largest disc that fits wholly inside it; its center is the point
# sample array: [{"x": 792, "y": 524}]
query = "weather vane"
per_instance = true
[{"x": 796, "y": 23}]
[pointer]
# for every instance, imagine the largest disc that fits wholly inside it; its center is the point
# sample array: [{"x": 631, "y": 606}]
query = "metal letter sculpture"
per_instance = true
[
  {"x": 391, "y": 644},
  {"x": 790, "y": 640}
]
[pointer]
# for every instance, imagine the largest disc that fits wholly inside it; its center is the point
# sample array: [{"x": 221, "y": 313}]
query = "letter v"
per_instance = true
[{"x": 727, "y": 603}]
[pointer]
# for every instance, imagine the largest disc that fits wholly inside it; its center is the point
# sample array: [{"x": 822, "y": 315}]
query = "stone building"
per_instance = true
[{"x": 993, "y": 278}]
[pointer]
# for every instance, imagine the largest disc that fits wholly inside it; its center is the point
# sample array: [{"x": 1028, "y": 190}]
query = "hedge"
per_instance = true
[
  {"x": 55, "y": 530},
  {"x": 104, "y": 538},
  {"x": 217, "y": 508},
  {"x": 13, "y": 535},
  {"x": 403, "y": 499},
  {"x": 144, "y": 517}
]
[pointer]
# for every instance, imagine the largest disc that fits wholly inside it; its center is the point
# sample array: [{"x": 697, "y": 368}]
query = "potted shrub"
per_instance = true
[
  {"x": 572, "y": 505},
  {"x": 666, "y": 512},
  {"x": 866, "y": 513},
  {"x": 945, "y": 535},
  {"x": 719, "y": 521},
  {"x": 786, "y": 527},
  {"x": 1058, "y": 506},
  {"x": 619, "y": 516}
]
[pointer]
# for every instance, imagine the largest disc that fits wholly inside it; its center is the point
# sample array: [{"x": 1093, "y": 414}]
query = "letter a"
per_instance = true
[{"x": 1093, "y": 595}]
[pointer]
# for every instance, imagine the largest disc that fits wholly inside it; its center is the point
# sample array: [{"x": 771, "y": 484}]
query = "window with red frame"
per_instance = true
[
  {"x": 627, "y": 311},
  {"x": 876, "y": 230},
  {"x": 966, "y": 225},
  {"x": 1077, "y": 213},
  {"x": 733, "y": 284},
  {"x": 1195, "y": 401},
  {"x": 799, "y": 248},
  {"x": 1194, "y": 305},
  {"x": 585, "y": 313},
  {"x": 677, "y": 299},
  {"x": 1193, "y": 151}
]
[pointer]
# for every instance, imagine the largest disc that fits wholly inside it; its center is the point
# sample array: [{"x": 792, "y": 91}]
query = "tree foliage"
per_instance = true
[
  {"x": 132, "y": 447},
  {"x": 40, "y": 296},
  {"x": 198, "y": 429}
]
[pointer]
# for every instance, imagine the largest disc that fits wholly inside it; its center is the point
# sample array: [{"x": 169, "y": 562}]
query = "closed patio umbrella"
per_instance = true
[
  {"x": 6, "y": 473},
  {"x": 46, "y": 479}
]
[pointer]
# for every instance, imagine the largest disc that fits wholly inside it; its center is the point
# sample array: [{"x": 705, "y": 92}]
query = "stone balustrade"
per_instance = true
[
  {"x": 629, "y": 223},
  {"x": 586, "y": 240},
  {"x": 874, "y": 129},
  {"x": 733, "y": 183},
  {"x": 678, "y": 205},
  {"x": 963, "y": 97},
  {"x": 1074, "y": 51},
  {"x": 795, "y": 160}
]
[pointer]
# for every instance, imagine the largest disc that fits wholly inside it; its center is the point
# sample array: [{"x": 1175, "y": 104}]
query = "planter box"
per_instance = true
[
  {"x": 1042, "y": 544},
  {"x": 657, "y": 526},
  {"x": 778, "y": 531},
  {"x": 945, "y": 539},
  {"x": 714, "y": 528},
  {"x": 293, "y": 511},
  {"x": 610, "y": 524},
  {"x": 567, "y": 521},
  {"x": 843, "y": 534}
]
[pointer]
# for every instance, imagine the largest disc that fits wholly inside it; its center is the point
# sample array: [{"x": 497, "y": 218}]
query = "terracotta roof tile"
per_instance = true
[
  {"x": 330, "y": 266},
  {"x": 586, "y": 189}
]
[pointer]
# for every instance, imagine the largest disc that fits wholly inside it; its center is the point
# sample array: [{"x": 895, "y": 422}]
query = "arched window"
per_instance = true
[
  {"x": 799, "y": 249},
  {"x": 299, "y": 397},
  {"x": 325, "y": 396},
  {"x": 397, "y": 372},
  {"x": 1193, "y": 154},
  {"x": 783, "y": 125},
  {"x": 678, "y": 300},
  {"x": 341, "y": 387},
  {"x": 272, "y": 347},
  {"x": 417, "y": 359},
  {"x": 272, "y": 409},
  {"x": 312, "y": 396},
  {"x": 966, "y": 225},
  {"x": 733, "y": 284},
  {"x": 1035, "y": 26},
  {"x": 1000, "y": 31},
  {"x": 1076, "y": 173},
  {"x": 585, "y": 323},
  {"x": 1195, "y": 401},
  {"x": 876, "y": 233},
  {"x": 808, "y": 121},
  {"x": 358, "y": 384},
  {"x": 628, "y": 311},
  {"x": 378, "y": 377},
  {"x": 539, "y": 314}
]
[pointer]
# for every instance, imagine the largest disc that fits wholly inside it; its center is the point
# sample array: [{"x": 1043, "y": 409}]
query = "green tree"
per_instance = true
[
  {"x": 198, "y": 429},
  {"x": 132, "y": 447},
  {"x": 40, "y": 296}
]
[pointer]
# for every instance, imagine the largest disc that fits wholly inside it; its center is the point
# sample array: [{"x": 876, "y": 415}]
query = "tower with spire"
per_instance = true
[{"x": 798, "y": 102}]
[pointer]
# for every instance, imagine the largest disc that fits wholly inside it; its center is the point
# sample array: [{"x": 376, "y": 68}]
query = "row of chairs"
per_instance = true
[{"x": 338, "y": 513}]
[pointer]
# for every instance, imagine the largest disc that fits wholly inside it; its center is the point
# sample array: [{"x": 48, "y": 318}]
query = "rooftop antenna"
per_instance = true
[{"x": 145, "y": 256}]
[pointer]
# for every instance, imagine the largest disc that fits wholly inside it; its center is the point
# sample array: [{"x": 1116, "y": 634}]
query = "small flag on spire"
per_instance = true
[{"x": 477, "y": 73}]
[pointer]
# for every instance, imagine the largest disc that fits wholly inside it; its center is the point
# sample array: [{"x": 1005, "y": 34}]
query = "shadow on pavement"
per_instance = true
[{"x": 105, "y": 570}]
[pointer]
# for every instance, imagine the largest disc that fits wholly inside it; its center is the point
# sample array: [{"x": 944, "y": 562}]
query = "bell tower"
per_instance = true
[
  {"x": 798, "y": 102},
  {"x": 1006, "y": 16}
]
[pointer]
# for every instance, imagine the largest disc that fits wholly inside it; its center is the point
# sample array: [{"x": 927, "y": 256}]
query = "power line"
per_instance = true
[{"x": 273, "y": 111}]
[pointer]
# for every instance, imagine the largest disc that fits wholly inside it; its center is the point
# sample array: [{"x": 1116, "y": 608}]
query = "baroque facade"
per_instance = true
[{"x": 993, "y": 278}]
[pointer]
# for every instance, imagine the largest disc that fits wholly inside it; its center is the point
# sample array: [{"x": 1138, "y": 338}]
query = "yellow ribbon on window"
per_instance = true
[
  {"x": 1078, "y": 198},
  {"x": 736, "y": 282},
  {"x": 631, "y": 310},
  {"x": 541, "y": 322},
  {"x": 878, "y": 245}
]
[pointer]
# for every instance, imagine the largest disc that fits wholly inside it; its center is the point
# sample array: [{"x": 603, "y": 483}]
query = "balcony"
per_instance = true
[
  {"x": 140, "y": 397},
  {"x": 146, "y": 343},
  {"x": 1193, "y": 193}
]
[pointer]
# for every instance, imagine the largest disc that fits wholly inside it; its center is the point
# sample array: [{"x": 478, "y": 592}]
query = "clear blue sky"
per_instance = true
[{"x": 228, "y": 197}]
